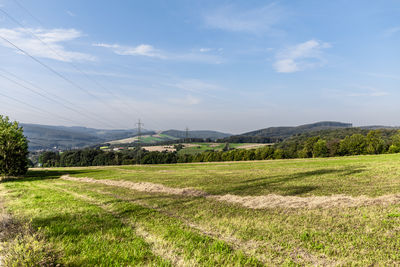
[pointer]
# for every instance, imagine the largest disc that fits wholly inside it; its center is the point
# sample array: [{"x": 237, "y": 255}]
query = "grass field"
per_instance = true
[
  {"x": 142, "y": 215},
  {"x": 202, "y": 147}
]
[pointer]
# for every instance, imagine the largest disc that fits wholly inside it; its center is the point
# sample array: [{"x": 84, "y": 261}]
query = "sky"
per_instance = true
[{"x": 231, "y": 66}]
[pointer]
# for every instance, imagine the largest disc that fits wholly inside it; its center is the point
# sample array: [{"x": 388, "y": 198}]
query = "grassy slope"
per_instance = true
[
  {"x": 93, "y": 223},
  {"x": 201, "y": 147}
]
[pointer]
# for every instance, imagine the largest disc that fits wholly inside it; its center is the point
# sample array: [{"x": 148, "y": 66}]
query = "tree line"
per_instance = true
[{"x": 315, "y": 146}]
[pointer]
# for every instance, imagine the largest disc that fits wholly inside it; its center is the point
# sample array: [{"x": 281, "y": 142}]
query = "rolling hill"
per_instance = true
[
  {"x": 277, "y": 134},
  {"x": 204, "y": 134},
  {"x": 284, "y": 132},
  {"x": 62, "y": 137}
]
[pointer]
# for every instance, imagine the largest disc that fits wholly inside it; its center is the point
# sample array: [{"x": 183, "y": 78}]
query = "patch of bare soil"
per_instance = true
[
  {"x": 142, "y": 186},
  {"x": 253, "y": 202}
]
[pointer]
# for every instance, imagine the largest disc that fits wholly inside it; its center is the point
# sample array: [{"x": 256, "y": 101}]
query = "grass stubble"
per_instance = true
[{"x": 106, "y": 224}]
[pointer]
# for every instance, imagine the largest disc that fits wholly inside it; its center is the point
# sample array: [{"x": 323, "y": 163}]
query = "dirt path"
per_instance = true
[{"x": 253, "y": 202}]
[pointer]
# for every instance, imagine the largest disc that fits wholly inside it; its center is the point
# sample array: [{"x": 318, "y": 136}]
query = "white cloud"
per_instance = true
[
  {"x": 71, "y": 14},
  {"x": 300, "y": 57},
  {"x": 51, "y": 46},
  {"x": 204, "y": 50},
  {"x": 198, "y": 86},
  {"x": 391, "y": 31},
  {"x": 140, "y": 50},
  {"x": 383, "y": 75},
  {"x": 150, "y": 51},
  {"x": 235, "y": 19},
  {"x": 355, "y": 91},
  {"x": 366, "y": 91},
  {"x": 188, "y": 100}
]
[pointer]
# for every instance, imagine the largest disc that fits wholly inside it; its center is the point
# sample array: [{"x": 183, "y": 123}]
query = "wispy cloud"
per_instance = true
[
  {"x": 356, "y": 91},
  {"x": 188, "y": 100},
  {"x": 300, "y": 57},
  {"x": 149, "y": 51},
  {"x": 198, "y": 86},
  {"x": 205, "y": 50},
  {"x": 140, "y": 50},
  {"x": 383, "y": 75},
  {"x": 235, "y": 19},
  {"x": 366, "y": 91},
  {"x": 391, "y": 31},
  {"x": 71, "y": 14},
  {"x": 51, "y": 47}
]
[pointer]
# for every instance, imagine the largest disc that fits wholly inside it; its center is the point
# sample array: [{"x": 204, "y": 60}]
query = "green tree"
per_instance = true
[
  {"x": 13, "y": 149},
  {"x": 375, "y": 143},
  {"x": 309, "y": 147},
  {"x": 353, "y": 145},
  {"x": 320, "y": 149},
  {"x": 395, "y": 147}
]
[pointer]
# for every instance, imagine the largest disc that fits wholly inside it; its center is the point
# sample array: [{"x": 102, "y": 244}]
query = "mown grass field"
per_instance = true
[
  {"x": 86, "y": 223},
  {"x": 202, "y": 147}
]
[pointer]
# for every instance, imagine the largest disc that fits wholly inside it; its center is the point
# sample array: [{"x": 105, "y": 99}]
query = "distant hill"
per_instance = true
[
  {"x": 214, "y": 135},
  {"x": 150, "y": 138},
  {"x": 277, "y": 134},
  {"x": 284, "y": 132},
  {"x": 62, "y": 137}
]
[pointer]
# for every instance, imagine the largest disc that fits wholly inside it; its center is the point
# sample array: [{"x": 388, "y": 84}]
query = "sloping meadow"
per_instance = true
[{"x": 336, "y": 211}]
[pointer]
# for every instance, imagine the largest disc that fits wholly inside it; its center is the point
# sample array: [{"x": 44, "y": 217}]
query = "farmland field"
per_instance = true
[
  {"x": 195, "y": 148},
  {"x": 332, "y": 211}
]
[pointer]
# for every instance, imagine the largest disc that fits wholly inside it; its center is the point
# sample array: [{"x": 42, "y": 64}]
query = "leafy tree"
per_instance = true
[
  {"x": 320, "y": 149},
  {"x": 375, "y": 143},
  {"x": 333, "y": 147},
  {"x": 226, "y": 147},
  {"x": 353, "y": 145},
  {"x": 309, "y": 146},
  {"x": 13, "y": 149},
  {"x": 395, "y": 147}
]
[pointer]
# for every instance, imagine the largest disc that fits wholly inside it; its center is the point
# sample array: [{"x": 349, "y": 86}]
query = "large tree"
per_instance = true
[{"x": 13, "y": 149}]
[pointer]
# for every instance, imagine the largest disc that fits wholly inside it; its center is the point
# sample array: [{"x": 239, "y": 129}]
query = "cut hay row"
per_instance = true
[{"x": 253, "y": 202}]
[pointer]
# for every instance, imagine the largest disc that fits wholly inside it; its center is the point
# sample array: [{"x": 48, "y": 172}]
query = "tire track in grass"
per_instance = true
[
  {"x": 198, "y": 249},
  {"x": 158, "y": 246},
  {"x": 234, "y": 242},
  {"x": 76, "y": 228},
  {"x": 245, "y": 246},
  {"x": 296, "y": 255}
]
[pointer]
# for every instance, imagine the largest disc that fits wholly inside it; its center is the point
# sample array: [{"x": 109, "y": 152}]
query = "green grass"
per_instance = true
[
  {"x": 151, "y": 139},
  {"x": 202, "y": 147},
  {"x": 96, "y": 224}
]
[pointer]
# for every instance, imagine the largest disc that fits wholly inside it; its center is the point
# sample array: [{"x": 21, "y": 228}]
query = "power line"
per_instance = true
[
  {"x": 49, "y": 98},
  {"x": 36, "y": 108},
  {"x": 27, "y": 11},
  {"x": 70, "y": 63},
  {"x": 49, "y": 68}
]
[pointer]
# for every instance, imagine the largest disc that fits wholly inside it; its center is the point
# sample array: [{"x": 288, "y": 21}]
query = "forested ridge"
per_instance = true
[{"x": 326, "y": 143}]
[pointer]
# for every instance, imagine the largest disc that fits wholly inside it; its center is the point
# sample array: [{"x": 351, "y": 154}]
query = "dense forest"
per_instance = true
[{"x": 343, "y": 142}]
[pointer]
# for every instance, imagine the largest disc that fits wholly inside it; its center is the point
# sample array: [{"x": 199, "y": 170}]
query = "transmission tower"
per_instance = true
[
  {"x": 186, "y": 134},
  {"x": 139, "y": 135}
]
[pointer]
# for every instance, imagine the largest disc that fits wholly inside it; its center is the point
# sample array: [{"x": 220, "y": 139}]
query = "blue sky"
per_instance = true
[{"x": 231, "y": 66}]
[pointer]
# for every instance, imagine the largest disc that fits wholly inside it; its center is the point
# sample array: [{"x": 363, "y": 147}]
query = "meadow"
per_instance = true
[
  {"x": 299, "y": 212},
  {"x": 196, "y": 148}
]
